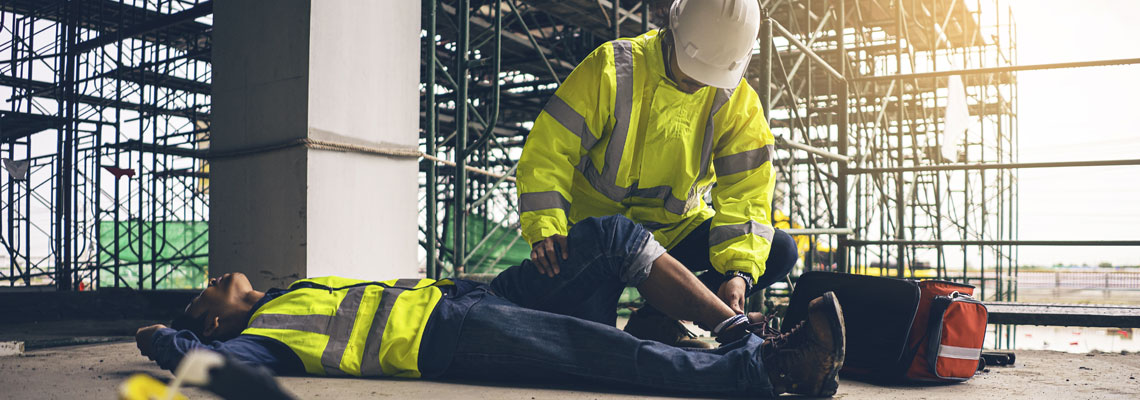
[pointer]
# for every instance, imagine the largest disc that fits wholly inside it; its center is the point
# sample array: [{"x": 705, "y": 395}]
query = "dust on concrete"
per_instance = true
[{"x": 95, "y": 371}]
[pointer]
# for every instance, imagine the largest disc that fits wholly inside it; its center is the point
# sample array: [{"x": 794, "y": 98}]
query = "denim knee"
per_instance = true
[
  {"x": 631, "y": 247},
  {"x": 611, "y": 233}
]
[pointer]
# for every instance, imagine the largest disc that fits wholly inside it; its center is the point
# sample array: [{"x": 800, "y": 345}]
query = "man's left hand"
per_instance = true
[
  {"x": 144, "y": 338},
  {"x": 732, "y": 292}
]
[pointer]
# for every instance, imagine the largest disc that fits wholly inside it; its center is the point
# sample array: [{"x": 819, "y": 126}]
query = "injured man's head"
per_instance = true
[{"x": 221, "y": 311}]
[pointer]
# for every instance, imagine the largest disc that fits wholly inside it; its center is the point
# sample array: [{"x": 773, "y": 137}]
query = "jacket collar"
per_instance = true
[{"x": 655, "y": 55}]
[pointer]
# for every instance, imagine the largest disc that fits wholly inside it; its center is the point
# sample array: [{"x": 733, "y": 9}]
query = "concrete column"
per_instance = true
[{"x": 342, "y": 71}]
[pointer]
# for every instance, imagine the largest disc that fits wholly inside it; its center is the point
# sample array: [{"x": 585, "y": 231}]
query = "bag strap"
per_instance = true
[{"x": 938, "y": 307}]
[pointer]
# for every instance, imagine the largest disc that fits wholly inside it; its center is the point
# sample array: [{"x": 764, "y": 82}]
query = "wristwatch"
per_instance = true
[{"x": 747, "y": 278}]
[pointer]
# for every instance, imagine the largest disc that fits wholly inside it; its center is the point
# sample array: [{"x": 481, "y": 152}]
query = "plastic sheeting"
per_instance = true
[
  {"x": 176, "y": 253},
  {"x": 957, "y": 118}
]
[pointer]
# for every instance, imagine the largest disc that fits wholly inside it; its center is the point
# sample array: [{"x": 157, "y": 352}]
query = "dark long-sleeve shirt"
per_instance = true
[{"x": 440, "y": 337}]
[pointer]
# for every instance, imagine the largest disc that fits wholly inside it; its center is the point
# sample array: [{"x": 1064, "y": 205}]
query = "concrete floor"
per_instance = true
[{"x": 95, "y": 370}]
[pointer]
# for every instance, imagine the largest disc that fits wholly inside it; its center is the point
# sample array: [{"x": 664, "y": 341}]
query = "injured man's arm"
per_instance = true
[
  {"x": 524, "y": 327},
  {"x": 214, "y": 321}
]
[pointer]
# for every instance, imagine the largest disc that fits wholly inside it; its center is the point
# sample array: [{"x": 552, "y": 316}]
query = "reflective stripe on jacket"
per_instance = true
[
  {"x": 618, "y": 137},
  {"x": 340, "y": 326}
]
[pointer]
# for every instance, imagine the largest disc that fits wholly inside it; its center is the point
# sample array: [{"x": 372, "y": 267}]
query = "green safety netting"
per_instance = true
[
  {"x": 502, "y": 246},
  {"x": 177, "y": 252}
]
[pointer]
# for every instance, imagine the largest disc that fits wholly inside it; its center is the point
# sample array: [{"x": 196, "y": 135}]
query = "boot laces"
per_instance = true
[{"x": 765, "y": 329}]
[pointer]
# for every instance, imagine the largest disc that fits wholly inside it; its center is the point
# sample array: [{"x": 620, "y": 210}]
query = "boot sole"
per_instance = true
[{"x": 830, "y": 384}]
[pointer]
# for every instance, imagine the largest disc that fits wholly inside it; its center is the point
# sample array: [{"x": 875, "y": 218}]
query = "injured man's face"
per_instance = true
[{"x": 220, "y": 312}]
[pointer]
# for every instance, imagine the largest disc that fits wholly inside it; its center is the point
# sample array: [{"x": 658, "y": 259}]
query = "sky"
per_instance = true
[{"x": 1079, "y": 114}]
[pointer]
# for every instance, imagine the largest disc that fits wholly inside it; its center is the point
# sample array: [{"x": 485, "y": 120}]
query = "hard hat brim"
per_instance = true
[{"x": 720, "y": 77}]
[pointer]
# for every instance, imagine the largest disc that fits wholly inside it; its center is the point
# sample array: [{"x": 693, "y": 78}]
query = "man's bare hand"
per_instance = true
[
  {"x": 144, "y": 336},
  {"x": 545, "y": 257},
  {"x": 732, "y": 292}
]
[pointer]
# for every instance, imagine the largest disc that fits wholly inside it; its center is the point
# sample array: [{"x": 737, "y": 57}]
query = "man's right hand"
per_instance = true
[
  {"x": 144, "y": 338},
  {"x": 545, "y": 257}
]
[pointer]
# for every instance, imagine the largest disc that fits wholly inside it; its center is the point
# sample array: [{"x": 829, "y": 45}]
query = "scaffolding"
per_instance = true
[
  {"x": 108, "y": 108},
  {"x": 109, "y": 104},
  {"x": 499, "y": 63},
  {"x": 830, "y": 74},
  {"x": 850, "y": 94},
  {"x": 896, "y": 124}
]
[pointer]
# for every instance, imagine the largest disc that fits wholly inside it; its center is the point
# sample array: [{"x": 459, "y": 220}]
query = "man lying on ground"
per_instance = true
[{"x": 524, "y": 326}]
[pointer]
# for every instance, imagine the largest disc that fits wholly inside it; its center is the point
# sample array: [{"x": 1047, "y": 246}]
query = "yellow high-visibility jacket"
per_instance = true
[
  {"x": 340, "y": 326},
  {"x": 619, "y": 137}
]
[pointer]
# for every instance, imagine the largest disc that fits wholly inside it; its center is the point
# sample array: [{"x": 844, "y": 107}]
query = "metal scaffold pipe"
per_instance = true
[
  {"x": 765, "y": 86},
  {"x": 996, "y": 242},
  {"x": 993, "y": 70},
  {"x": 459, "y": 196},
  {"x": 780, "y": 141},
  {"x": 615, "y": 22},
  {"x": 974, "y": 167},
  {"x": 430, "y": 182},
  {"x": 819, "y": 231},
  {"x": 900, "y": 200},
  {"x": 807, "y": 50},
  {"x": 492, "y": 121},
  {"x": 841, "y": 175}
]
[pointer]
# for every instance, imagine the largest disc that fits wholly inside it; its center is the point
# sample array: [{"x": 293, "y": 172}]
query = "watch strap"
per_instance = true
[{"x": 747, "y": 278}]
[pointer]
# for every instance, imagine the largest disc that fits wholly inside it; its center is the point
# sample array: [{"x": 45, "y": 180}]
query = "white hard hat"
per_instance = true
[{"x": 713, "y": 39}]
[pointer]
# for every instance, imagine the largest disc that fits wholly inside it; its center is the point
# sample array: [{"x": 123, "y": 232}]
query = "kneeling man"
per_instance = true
[{"x": 524, "y": 326}]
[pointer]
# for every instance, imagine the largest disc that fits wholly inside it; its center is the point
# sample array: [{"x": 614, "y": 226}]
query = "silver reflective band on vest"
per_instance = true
[
  {"x": 719, "y": 100},
  {"x": 339, "y": 327},
  {"x": 571, "y": 120},
  {"x": 543, "y": 201},
  {"x": 623, "y": 107},
  {"x": 663, "y": 192},
  {"x": 964, "y": 353},
  {"x": 720, "y": 234},
  {"x": 343, "y": 321},
  {"x": 370, "y": 366},
  {"x": 605, "y": 182},
  {"x": 743, "y": 161},
  {"x": 304, "y": 323}
]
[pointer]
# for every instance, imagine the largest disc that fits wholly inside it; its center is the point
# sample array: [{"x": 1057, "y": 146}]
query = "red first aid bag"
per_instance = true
[
  {"x": 948, "y": 331},
  {"x": 898, "y": 329}
]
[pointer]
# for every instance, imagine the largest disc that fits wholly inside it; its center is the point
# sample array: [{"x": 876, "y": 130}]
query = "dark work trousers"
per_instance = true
[
  {"x": 533, "y": 328},
  {"x": 693, "y": 252}
]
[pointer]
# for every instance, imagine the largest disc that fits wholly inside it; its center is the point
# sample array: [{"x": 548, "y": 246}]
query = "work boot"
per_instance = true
[
  {"x": 806, "y": 359},
  {"x": 647, "y": 324}
]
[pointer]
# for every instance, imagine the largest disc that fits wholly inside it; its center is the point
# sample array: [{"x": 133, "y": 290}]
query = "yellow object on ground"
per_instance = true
[
  {"x": 619, "y": 137},
  {"x": 145, "y": 387}
]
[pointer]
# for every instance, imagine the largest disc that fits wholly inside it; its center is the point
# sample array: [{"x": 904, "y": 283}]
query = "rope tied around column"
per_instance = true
[{"x": 393, "y": 152}]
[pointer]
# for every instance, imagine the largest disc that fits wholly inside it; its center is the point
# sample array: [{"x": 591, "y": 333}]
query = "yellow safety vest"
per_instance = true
[
  {"x": 619, "y": 137},
  {"x": 352, "y": 327}
]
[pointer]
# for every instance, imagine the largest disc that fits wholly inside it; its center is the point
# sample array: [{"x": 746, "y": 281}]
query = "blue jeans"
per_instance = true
[{"x": 537, "y": 328}]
